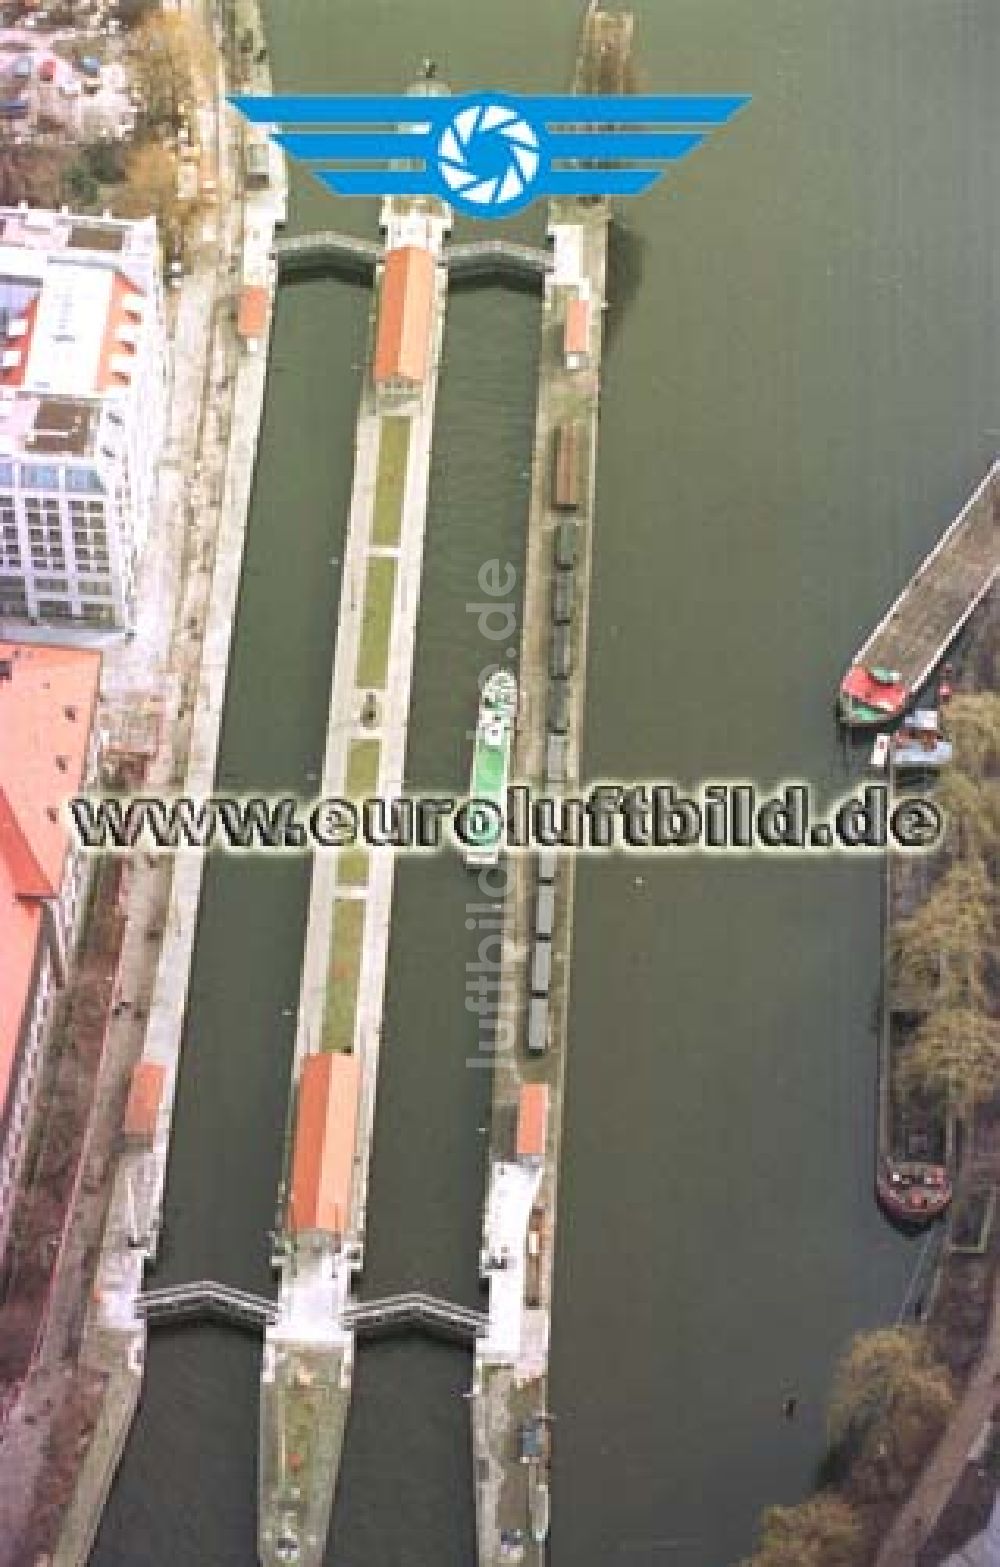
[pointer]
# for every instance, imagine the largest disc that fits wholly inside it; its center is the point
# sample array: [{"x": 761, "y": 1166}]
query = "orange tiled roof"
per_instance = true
[
  {"x": 144, "y": 1097},
  {"x": 532, "y": 1119},
  {"x": 123, "y": 292},
  {"x": 43, "y": 754},
  {"x": 576, "y": 338},
  {"x": 252, "y": 318},
  {"x": 325, "y": 1132},
  {"x": 20, "y": 931},
  {"x": 402, "y": 344},
  {"x": 13, "y": 375}
]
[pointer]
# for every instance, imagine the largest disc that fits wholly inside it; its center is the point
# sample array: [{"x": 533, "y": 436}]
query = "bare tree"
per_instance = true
[
  {"x": 172, "y": 60},
  {"x": 890, "y": 1402},
  {"x": 821, "y": 1532},
  {"x": 955, "y": 1056},
  {"x": 974, "y": 725},
  {"x": 938, "y": 952},
  {"x": 150, "y": 188}
]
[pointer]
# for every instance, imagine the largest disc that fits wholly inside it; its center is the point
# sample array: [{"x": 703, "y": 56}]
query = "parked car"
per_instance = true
[
  {"x": 22, "y": 68},
  {"x": 70, "y": 88},
  {"x": 47, "y": 71}
]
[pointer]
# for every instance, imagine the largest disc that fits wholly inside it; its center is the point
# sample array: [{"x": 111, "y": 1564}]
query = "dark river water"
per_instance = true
[{"x": 801, "y": 384}]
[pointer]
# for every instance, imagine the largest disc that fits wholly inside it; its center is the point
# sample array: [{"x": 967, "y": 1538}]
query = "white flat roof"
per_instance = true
[{"x": 69, "y": 329}]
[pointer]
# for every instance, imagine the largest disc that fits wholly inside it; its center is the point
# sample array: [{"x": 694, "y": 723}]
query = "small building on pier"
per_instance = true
[
  {"x": 253, "y": 315},
  {"x": 326, "y": 1120},
  {"x": 145, "y": 1097},
  {"x": 576, "y": 332},
  {"x": 405, "y": 318},
  {"x": 532, "y": 1122}
]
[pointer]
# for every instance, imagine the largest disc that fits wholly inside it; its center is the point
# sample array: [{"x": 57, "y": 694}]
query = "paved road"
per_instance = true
[{"x": 918, "y": 1519}]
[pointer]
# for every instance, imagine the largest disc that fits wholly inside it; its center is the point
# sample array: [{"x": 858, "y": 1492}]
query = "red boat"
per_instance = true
[
  {"x": 912, "y": 1192},
  {"x": 872, "y": 696},
  {"x": 915, "y": 633}
]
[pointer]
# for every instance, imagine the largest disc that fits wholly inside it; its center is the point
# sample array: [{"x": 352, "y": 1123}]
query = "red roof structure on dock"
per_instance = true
[
  {"x": 251, "y": 322},
  {"x": 144, "y": 1098},
  {"x": 402, "y": 344},
  {"x": 532, "y": 1120},
  {"x": 576, "y": 332},
  {"x": 325, "y": 1136}
]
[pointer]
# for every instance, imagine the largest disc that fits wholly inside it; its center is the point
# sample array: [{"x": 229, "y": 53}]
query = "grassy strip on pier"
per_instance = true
[
  {"x": 343, "y": 974},
  {"x": 362, "y": 769},
  {"x": 360, "y": 784},
  {"x": 393, "y": 450},
  {"x": 373, "y": 652}
]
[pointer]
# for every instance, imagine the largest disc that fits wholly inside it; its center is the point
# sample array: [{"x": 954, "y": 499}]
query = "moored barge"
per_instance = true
[
  {"x": 913, "y": 1182},
  {"x": 911, "y": 639}
]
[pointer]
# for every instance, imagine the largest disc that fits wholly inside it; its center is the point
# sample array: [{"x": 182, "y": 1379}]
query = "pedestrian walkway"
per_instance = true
[
  {"x": 416, "y": 1310},
  {"x": 918, "y": 1518},
  {"x": 206, "y": 1299}
]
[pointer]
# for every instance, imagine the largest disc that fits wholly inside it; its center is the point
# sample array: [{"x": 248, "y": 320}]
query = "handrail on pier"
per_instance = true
[
  {"x": 415, "y": 1309},
  {"x": 206, "y": 1299},
  {"x": 327, "y": 249}
]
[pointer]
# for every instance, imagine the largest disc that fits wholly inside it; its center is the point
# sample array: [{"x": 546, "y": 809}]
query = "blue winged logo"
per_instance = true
[{"x": 488, "y": 153}]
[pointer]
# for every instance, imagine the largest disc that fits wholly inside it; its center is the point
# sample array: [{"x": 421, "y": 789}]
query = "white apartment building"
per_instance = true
[{"x": 83, "y": 379}]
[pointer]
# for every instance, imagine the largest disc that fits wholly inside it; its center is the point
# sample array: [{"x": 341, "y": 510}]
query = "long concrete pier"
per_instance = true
[
  {"x": 510, "y": 1383},
  {"x": 510, "y": 1411},
  {"x": 309, "y": 1350}
]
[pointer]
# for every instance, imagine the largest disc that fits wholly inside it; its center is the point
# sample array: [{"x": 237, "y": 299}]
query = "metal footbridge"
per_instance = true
[
  {"x": 416, "y": 1310},
  {"x": 327, "y": 250},
  {"x": 206, "y": 1300}
]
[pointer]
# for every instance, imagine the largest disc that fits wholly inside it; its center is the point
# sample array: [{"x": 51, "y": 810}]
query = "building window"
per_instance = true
[
  {"x": 83, "y": 479},
  {"x": 102, "y": 614},
  {"x": 97, "y": 590},
  {"x": 53, "y": 585},
  {"x": 54, "y": 609},
  {"x": 7, "y": 475},
  {"x": 39, "y": 476}
]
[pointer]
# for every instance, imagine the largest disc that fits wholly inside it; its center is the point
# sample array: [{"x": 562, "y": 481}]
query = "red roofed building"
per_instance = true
[
  {"x": 145, "y": 1096},
  {"x": 251, "y": 321},
  {"x": 48, "y": 702},
  {"x": 405, "y": 317},
  {"x": 532, "y": 1122},
  {"x": 325, "y": 1136},
  {"x": 576, "y": 333}
]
